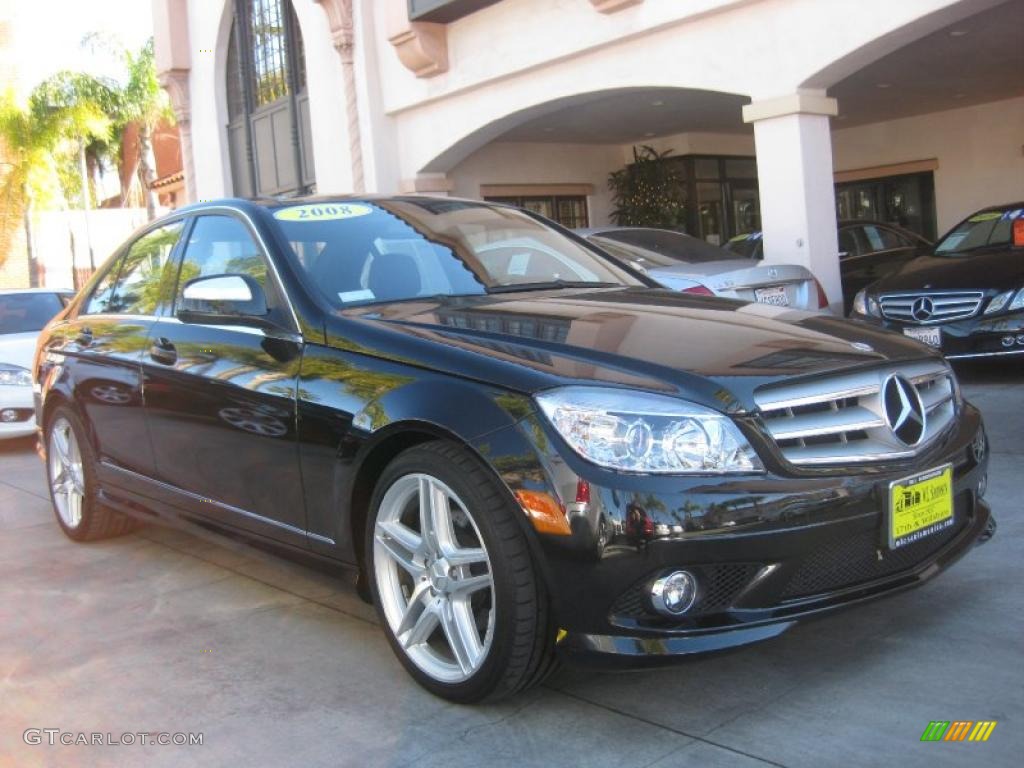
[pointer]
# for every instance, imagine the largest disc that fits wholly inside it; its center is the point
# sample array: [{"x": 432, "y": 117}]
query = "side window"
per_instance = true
[
  {"x": 147, "y": 273},
  {"x": 882, "y": 239},
  {"x": 103, "y": 293},
  {"x": 222, "y": 245},
  {"x": 848, "y": 243}
]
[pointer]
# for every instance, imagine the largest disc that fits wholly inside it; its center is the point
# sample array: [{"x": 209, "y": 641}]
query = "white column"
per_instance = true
[{"x": 794, "y": 171}]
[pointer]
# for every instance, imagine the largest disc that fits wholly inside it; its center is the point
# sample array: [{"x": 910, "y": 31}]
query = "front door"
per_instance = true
[{"x": 220, "y": 400}]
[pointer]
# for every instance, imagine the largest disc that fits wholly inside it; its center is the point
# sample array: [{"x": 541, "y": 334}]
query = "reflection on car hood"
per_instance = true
[
  {"x": 18, "y": 348},
  {"x": 636, "y": 337},
  {"x": 999, "y": 269}
]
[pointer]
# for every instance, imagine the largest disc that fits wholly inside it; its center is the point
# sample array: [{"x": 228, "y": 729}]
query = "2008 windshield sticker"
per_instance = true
[{"x": 322, "y": 212}]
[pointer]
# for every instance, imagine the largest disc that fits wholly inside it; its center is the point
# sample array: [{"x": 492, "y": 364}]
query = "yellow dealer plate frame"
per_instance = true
[{"x": 920, "y": 505}]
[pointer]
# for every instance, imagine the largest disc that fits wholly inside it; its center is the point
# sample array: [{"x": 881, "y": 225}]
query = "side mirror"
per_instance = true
[
  {"x": 223, "y": 299},
  {"x": 843, "y": 254}
]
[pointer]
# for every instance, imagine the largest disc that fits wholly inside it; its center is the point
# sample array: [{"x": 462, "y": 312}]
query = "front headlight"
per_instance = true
[
  {"x": 1003, "y": 301},
  {"x": 640, "y": 432},
  {"x": 14, "y": 376},
  {"x": 864, "y": 305}
]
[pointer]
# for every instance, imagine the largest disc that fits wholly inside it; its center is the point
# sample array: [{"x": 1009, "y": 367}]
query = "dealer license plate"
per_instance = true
[
  {"x": 772, "y": 294},
  {"x": 930, "y": 336},
  {"x": 920, "y": 506}
]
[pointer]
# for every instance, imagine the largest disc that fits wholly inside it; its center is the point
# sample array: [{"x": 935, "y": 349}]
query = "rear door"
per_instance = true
[
  {"x": 221, "y": 400},
  {"x": 103, "y": 345}
]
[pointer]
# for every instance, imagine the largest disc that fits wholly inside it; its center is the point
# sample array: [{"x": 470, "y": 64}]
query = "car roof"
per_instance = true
[
  {"x": 279, "y": 202},
  {"x": 10, "y": 291}
]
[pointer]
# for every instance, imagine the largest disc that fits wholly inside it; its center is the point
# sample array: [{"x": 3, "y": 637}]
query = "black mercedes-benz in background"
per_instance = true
[
  {"x": 525, "y": 449},
  {"x": 965, "y": 297}
]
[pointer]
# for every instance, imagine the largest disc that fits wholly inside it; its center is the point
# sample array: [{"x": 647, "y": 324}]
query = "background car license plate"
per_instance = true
[
  {"x": 920, "y": 505},
  {"x": 772, "y": 294},
  {"x": 930, "y": 336}
]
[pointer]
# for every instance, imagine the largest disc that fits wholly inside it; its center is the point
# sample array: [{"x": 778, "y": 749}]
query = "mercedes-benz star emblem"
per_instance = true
[
  {"x": 922, "y": 309},
  {"x": 903, "y": 410}
]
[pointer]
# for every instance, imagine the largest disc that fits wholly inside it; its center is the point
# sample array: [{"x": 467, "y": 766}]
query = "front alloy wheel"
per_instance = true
[
  {"x": 453, "y": 579},
  {"x": 434, "y": 578}
]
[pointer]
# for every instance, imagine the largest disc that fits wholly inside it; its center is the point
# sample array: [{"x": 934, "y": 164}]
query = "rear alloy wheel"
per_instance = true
[
  {"x": 70, "y": 470},
  {"x": 453, "y": 580}
]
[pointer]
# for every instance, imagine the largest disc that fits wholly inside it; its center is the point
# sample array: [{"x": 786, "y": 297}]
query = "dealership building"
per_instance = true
[{"x": 779, "y": 114}]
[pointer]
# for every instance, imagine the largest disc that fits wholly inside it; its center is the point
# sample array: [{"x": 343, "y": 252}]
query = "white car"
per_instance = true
[
  {"x": 23, "y": 314},
  {"x": 686, "y": 264}
]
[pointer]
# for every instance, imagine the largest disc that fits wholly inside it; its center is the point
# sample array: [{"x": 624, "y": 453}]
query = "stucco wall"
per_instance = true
[
  {"x": 542, "y": 163},
  {"x": 980, "y": 153}
]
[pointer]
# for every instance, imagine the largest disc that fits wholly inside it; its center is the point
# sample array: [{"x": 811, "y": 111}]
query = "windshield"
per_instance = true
[
  {"x": 408, "y": 248},
  {"x": 672, "y": 247},
  {"x": 982, "y": 230},
  {"x": 27, "y": 312}
]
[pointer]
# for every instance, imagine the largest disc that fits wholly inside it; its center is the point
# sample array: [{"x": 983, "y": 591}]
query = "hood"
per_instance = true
[
  {"x": 18, "y": 348},
  {"x": 714, "y": 350},
  {"x": 995, "y": 270}
]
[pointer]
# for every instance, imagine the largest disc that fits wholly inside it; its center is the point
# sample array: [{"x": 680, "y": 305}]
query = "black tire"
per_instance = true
[
  {"x": 97, "y": 521},
  {"x": 522, "y": 651}
]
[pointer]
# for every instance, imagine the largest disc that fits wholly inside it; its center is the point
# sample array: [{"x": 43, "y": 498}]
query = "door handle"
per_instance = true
[{"x": 163, "y": 351}]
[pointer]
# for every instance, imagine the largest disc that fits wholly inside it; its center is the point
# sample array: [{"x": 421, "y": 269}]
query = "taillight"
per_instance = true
[
  {"x": 1018, "y": 232},
  {"x": 698, "y": 290},
  {"x": 582, "y": 491},
  {"x": 822, "y": 296}
]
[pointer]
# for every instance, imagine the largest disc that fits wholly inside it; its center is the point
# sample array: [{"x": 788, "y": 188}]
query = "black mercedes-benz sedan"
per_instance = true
[
  {"x": 966, "y": 297},
  {"x": 524, "y": 449}
]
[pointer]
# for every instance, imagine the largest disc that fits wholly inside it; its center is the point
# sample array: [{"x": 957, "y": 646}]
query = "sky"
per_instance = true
[{"x": 48, "y": 35}]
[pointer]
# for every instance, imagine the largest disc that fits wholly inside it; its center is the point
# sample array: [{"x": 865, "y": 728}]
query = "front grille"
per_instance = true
[
  {"x": 719, "y": 584},
  {"x": 929, "y": 308},
  {"x": 849, "y": 560},
  {"x": 841, "y": 419}
]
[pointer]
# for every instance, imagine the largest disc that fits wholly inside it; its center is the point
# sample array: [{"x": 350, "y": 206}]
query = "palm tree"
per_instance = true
[
  {"x": 34, "y": 135},
  {"x": 144, "y": 103}
]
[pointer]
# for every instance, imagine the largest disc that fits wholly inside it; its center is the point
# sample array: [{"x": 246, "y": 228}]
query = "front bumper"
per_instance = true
[
  {"x": 768, "y": 550},
  {"x": 19, "y": 401},
  {"x": 1000, "y": 335}
]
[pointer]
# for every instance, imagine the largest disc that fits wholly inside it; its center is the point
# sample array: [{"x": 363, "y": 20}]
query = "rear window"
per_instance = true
[
  {"x": 744, "y": 246},
  {"x": 982, "y": 230},
  {"x": 675, "y": 246},
  {"x": 27, "y": 312}
]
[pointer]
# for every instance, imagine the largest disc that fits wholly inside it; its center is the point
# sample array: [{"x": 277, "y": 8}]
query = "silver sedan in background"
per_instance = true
[{"x": 684, "y": 263}]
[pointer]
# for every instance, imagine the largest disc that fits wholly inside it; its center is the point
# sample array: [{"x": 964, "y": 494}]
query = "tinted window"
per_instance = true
[
  {"x": 147, "y": 272},
  {"x": 27, "y": 312},
  {"x": 745, "y": 246},
  {"x": 406, "y": 248},
  {"x": 674, "y": 245},
  {"x": 103, "y": 293},
  {"x": 848, "y": 245},
  {"x": 882, "y": 239},
  {"x": 223, "y": 245},
  {"x": 989, "y": 228}
]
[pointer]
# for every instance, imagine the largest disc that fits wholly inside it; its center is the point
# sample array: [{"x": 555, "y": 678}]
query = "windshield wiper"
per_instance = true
[{"x": 548, "y": 285}]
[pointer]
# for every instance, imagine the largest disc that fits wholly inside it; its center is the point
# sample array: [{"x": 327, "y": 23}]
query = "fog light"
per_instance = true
[
  {"x": 1007, "y": 341},
  {"x": 7, "y": 415},
  {"x": 674, "y": 594}
]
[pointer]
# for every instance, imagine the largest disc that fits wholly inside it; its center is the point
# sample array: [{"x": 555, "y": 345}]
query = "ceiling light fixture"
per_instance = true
[
  {"x": 649, "y": 134},
  {"x": 958, "y": 32},
  {"x": 657, "y": 103},
  {"x": 883, "y": 85}
]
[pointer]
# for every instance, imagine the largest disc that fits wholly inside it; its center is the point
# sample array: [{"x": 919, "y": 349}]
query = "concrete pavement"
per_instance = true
[{"x": 278, "y": 664}]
